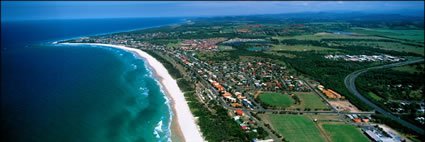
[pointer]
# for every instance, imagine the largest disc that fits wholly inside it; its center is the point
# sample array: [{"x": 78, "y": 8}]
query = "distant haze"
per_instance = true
[{"x": 78, "y": 10}]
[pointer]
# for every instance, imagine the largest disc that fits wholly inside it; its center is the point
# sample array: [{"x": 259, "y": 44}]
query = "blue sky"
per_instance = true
[{"x": 78, "y": 9}]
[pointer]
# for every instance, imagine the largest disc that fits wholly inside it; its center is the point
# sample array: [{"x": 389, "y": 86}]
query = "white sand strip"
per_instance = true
[{"x": 185, "y": 119}]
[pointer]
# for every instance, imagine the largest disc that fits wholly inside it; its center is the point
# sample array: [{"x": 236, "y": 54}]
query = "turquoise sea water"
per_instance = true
[{"x": 58, "y": 93}]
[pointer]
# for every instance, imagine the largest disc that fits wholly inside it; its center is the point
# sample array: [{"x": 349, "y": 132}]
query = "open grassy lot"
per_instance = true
[
  {"x": 298, "y": 48},
  {"x": 344, "y": 133},
  {"x": 394, "y": 46},
  {"x": 225, "y": 48},
  {"x": 276, "y": 99},
  {"x": 417, "y": 35},
  {"x": 324, "y": 35},
  {"x": 374, "y": 96},
  {"x": 296, "y": 128},
  {"x": 399, "y": 47},
  {"x": 311, "y": 100},
  {"x": 174, "y": 44},
  {"x": 410, "y": 69},
  {"x": 287, "y": 55},
  {"x": 210, "y": 56}
]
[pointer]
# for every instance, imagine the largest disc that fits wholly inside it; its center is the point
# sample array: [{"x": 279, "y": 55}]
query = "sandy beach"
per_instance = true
[{"x": 190, "y": 131}]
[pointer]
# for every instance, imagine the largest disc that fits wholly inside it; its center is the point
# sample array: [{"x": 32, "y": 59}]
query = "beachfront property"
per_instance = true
[
  {"x": 230, "y": 82},
  {"x": 233, "y": 83}
]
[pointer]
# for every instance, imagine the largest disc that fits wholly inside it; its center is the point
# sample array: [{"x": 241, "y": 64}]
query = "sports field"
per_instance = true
[
  {"x": 296, "y": 128},
  {"x": 344, "y": 133},
  {"x": 276, "y": 99},
  {"x": 311, "y": 100}
]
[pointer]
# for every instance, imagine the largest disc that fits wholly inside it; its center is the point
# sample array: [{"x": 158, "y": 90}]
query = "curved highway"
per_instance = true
[{"x": 350, "y": 84}]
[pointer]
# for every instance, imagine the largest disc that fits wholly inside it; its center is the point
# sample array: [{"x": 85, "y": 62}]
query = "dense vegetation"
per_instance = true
[
  {"x": 390, "y": 84},
  {"x": 387, "y": 87}
]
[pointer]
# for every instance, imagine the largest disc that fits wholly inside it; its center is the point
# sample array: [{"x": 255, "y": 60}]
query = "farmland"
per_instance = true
[
  {"x": 296, "y": 128},
  {"x": 344, "y": 133},
  {"x": 276, "y": 99}
]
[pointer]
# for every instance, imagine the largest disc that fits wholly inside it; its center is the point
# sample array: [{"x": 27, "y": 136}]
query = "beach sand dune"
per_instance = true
[{"x": 184, "y": 117}]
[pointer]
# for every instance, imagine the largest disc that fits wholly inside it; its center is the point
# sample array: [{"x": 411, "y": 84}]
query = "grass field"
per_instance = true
[
  {"x": 374, "y": 96},
  {"x": 276, "y": 99},
  {"x": 413, "y": 35},
  {"x": 417, "y": 35},
  {"x": 319, "y": 36},
  {"x": 287, "y": 55},
  {"x": 311, "y": 100},
  {"x": 390, "y": 46},
  {"x": 409, "y": 69},
  {"x": 225, "y": 48},
  {"x": 399, "y": 47},
  {"x": 298, "y": 48},
  {"x": 296, "y": 128},
  {"x": 344, "y": 133},
  {"x": 176, "y": 44}
]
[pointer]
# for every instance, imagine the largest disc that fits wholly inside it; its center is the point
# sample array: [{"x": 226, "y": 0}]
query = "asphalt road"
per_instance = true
[{"x": 351, "y": 86}]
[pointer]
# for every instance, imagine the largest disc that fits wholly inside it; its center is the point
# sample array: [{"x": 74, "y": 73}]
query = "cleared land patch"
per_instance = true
[
  {"x": 311, "y": 100},
  {"x": 287, "y": 55},
  {"x": 410, "y": 69},
  {"x": 344, "y": 105},
  {"x": 417, "y": 35},
  {"x": 344, "y": 133},
  {"x": 276, "y": 99},
  {"x": 394, "y": 46},
  {"x": 374, "y": 96},
  {"x": 299, "y": 48},
  {"x": 324, "y": 35},
  {"x": 296, "y": 128}
]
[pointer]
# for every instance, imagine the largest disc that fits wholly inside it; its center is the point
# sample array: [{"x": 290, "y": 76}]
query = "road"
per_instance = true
[{"x": 350, "y": 84}]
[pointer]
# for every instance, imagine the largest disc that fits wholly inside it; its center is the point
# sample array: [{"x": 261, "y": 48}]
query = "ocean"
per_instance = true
[{"x": 69, "y": 93}]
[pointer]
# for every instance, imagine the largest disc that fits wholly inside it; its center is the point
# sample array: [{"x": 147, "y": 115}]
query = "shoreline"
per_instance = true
[
  {"x": 121, "y": 31},
  {"x": 182, "y": 114}
]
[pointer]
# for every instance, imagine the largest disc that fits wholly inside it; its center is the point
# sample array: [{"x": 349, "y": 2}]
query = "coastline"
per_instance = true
[
  {"x": 182, "y": 114},
  {"x": 121, "y": 31}
]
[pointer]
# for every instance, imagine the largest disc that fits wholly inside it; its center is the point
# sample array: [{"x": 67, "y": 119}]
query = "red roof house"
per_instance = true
[{"x": 239, "y": 112}]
